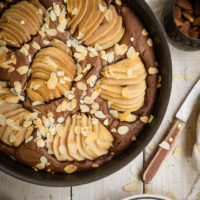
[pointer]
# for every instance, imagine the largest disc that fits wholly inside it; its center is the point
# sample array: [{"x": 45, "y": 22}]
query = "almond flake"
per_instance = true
[
  {"x": 22, "y": 70},
  {"x": 79, "y": 77},
  {"x": 60, "y": 73},
  {"x": 150, "y": 42},
  {"x": 144, "y": 32},
  {"x": 52, "y": 15},
  {"x": 150, "y": 119},
  {"x": 18, "y": 87},
  {"x": 46, "y": 42},
  {"x": 108, "y": 15},
  {"x": 79, "y": 56},
  {"x": 122, "y": 130},
  {"x": 153, "y": 70},
  {"x": 44, "y": 160},
  {"x": 60, "y": 120},
  {"x": 84, "y": 108},
  {"x": 95, "y": 121},
  {"x": 36, "y": 103},
  {"x": 81, "y": 49},
  {"x": 114, "y": 113},
  {"x": 105, "y": 122},
  {"x": 27, "y": 124},
  {"x": 144, "y": 119},
  {"x": 177, "y": 151},
  {"x": 133, "y": 138},
  {"x": 35, "y": 45},
  {"x": 120, "y": 49},
  {"x": 102, "y": 8},
  {"x": 132, "y": 187},
  {"x": 126, "y": 92},
  {"x": 80, "y": 35},
  {"x": 113, "y": 130},
  {"x": 75, "y": 11},
  {"x": 29, "y": 139},
  {"x": 131, "y": 52},
  {"x": 40, "y": 166},
  {"x": 74, "y": 104},
  {"x": 51, "y": 32},
  {"x": 81, "y": 86},
  {"x": 77, "y": 129},
  {"x": 124, "y": 116},
  {"x": 110, "y": 57},
  {"x": 40, "y": 143},
  {"x": 69, "y": 169},
  {"x": 165, "y": 145},
  {"x": 12, "y": 138},
  {"x": 63, "y": 106},
  {"x": 100, "y": 115},
  {"x": 95, "y": 106},
  {"x": 92, "y": 80},
  {"x": 52, "y": 82},
  {"x": 95, "y": 165}
]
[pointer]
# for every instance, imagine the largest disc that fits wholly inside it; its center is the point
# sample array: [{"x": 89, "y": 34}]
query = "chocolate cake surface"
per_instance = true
[{"x": 75, "y": 90}]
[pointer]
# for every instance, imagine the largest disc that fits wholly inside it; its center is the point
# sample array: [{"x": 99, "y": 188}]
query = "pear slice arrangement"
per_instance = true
[
  {"x": 81, "y": 137},
  {"x": 123, "y": 84},
  {"x": 19, "y": 23},
  {"x": 14, "y": 129},
  {"x": 53, "y": 71},
  {"x": 94, "y": 24}
]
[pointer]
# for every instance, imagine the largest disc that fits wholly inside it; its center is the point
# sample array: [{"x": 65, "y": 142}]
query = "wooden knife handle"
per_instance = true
[{"x": 164, "y": 149}]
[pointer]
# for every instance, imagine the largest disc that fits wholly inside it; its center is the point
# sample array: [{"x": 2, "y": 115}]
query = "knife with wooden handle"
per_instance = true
[{"x": 178, "y": 125}]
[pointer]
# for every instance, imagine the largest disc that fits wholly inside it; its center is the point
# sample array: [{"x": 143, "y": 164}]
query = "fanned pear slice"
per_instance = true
[
  {"x": 104, "y": 28},
  {"x": 88, "y": 15},
  {"x": 90, "y": 31},
  {"x": 26, "y": 19},
  {"x": 71, "y": 142},
  {"x": 114, "y": 41},
  {"x": 123, "y": 84},
  {"x": 47, "y": 66},
  {"x": 75, "y": 21}
]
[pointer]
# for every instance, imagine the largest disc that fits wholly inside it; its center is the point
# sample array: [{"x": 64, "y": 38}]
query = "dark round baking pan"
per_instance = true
[
  {"x": 176, "y": 37},
  {"x": 27, "y": 174}
]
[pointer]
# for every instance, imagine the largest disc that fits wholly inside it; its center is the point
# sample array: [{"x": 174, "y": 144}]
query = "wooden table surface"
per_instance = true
[{"x": 176, "y": 176}]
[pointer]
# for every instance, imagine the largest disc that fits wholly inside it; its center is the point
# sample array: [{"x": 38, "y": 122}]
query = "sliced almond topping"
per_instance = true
[
  {"x": 95, "y": 165},
  {"x": 75, "y": 11},
  {"x": 53, "y": 15},
  {"x": 105, "y": 122},
  {"x": 73, "y": 103},
  {"x": 102, "y": 8},
  {"x": 92, "y": 80},
  {"x": 144, "y": 119},
  {"x": 150, "y": 42},
  {"x": 40, "y": 166},
  {"x": 108, "y": 15},
  {"x": 60, "y": 120},
  {"x": 79, "y": 56},
  {"x": 12, "y": 138},
  {"x": 122, "y": 130},
  {"x": 120, "y": 49},
  {"x": 51, "y": 32},
  {"x": 114, "y": 113},
  {"x": 95, "y": 106},
  {"x": 29, "y": 139},
  {"x": 133, "y": 138},
  {"x": 18, "y": 87},
  {"x": 144, "y": 32},
  {"x": 22, "y": 70},
  {"x": 124, "y": 116},
  {"x": 44, "y": 160},
  {"x": 118, "y": 2},
  {"x": 113, "y": 130},
  {"x": 131, "y": 52},
  {"x": 81, "y": 86},
  {"x": 69, "y": 169},
  {"x": 27, "y": 124},
  {"x": 36, "y": 46},
  {"x": 77, "y": 129},
  {"x": 100, "y": 115},
  {"x": 40, "y": 143},
  {"x": 110, "y": 57},
  {"x": 84, "y": 108},
  {"x": 153, "y": 70},
  {"x": 81, "y": 49}
]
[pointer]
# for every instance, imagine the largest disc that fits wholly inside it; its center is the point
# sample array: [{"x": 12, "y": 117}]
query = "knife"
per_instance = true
[{"x": 178, "y": 125}]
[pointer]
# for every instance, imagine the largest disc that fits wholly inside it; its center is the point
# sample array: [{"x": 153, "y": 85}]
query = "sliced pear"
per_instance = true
[
  {"x": 6, "y": 134},
  {"x": 40, "y": 75},
  {"x": 34, "y": 96},
  {"x": 114, "y": 41},
  {"x": 13, "y": 112},
  {"x": 7, "y": 107},
  {"x": 19, "y": 137},
  {"x": 71, "y": 142},
  {"x": 75, "y": 21},
  {"x": 103, "y": 29},
  {"x": 90, "y": 12}
]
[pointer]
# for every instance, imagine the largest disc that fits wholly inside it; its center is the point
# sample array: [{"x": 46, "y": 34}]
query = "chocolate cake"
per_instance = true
[{"x": 78, "y": 81}]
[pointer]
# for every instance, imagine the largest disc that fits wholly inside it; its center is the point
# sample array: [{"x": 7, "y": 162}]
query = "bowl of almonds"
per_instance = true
[{"x": 181, "y": 20}]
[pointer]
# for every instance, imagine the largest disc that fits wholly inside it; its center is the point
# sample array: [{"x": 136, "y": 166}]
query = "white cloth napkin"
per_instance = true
[{"x": 196, "y": 164}]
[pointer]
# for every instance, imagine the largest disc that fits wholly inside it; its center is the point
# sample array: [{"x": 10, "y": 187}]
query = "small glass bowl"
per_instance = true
[{"x": 176, "y": 37}]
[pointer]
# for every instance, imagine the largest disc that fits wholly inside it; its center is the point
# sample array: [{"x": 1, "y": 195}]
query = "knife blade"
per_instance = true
[{"x": 177, "y": 126}]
